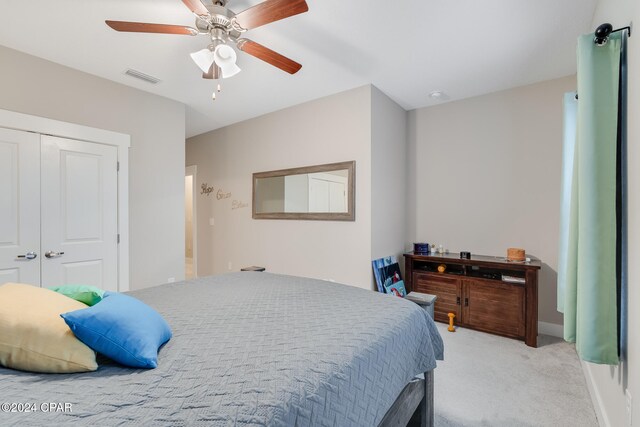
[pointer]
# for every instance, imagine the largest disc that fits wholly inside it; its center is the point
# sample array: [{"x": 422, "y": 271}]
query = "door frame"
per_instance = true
[
  {"x": 45, "y": 126},
  {"x": 193, "y": 171}
]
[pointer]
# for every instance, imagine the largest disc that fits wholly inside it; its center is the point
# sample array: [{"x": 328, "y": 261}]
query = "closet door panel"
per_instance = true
[
  {"x": 19, "y": 207},
  {"x": 79, "y": 213}
]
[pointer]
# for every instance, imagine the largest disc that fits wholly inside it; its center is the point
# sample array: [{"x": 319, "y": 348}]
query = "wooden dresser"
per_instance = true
[{"x": 486, "y": 293}]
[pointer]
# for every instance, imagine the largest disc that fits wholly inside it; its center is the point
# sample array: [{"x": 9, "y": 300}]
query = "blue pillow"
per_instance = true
[{"x": 122, "y": 328}]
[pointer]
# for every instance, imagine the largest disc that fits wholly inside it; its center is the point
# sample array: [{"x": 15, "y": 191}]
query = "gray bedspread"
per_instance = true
[{"x": 249, "y": 349}]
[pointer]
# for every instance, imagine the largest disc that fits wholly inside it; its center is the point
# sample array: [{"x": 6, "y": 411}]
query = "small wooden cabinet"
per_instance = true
[{"x": 485, "y": 293}]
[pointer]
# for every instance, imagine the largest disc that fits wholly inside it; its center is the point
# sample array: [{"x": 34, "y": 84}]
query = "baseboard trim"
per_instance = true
[
  {"x": 552, "y": 329},
  {"x": 596, "y": 399}
]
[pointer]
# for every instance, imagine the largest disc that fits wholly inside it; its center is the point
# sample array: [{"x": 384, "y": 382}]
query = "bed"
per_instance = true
[{"x": 255, "y": 349}]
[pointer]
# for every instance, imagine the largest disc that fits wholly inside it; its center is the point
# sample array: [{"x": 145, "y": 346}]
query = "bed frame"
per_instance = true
[{"x": 414, "y": 405}]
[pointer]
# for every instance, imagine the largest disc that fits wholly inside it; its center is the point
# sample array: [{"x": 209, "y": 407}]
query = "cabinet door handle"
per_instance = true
[
  {"x": 458, "y": 300},
  {"x": 466, "y": 302}
]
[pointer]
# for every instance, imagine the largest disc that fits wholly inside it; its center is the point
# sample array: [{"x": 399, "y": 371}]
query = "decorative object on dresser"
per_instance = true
[
  {"x": 486, "y": 293},
  {"x": 421, "y": 248},
  {"x": 515, "y": 254}
]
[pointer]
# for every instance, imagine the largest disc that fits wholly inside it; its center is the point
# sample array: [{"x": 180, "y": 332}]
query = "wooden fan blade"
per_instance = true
[
  {"x": 269, "y": 56},
  {"x": 196, "y": 7},
  {"x": 270, "y": 11},
  {"x": 143, "y": 27}
]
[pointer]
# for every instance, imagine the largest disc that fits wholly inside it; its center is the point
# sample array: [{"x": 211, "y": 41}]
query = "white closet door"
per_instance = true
[
  {"x": 79, "y": 213},
  {"x": 318, "y": 195},
  {"x": 19, "y": 207},
  {"x": 337, "y": 197}
]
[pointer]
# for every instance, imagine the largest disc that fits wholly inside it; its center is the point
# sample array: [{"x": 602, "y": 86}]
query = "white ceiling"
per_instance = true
[{"x": 407, "y": 48}]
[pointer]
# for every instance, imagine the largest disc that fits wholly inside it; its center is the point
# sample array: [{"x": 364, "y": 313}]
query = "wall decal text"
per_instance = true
[
  {"x": 222, "y": 195},
  {"x": 206, "y": 189},
  {"x": 237, "y": 204}
]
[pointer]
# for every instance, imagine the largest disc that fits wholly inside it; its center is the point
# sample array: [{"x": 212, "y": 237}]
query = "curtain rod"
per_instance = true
[
  {"x": 603, "y": 31},
  {"x": 602, "y": 36}
]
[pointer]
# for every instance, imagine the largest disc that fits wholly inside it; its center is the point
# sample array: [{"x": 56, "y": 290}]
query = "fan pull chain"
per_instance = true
[{"x": 218, "y": 89}]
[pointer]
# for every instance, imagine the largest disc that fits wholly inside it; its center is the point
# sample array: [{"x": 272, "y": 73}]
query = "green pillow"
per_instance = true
[{"x": 89, "y": 295}]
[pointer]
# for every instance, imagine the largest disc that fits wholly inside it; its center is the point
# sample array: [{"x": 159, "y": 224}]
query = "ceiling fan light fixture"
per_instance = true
[
  {"x": 223, "y": 26},
  {"x": 214, "y": 73},
  {"x": 204, "y": 59},
  {"x": 225, "y": 58}
]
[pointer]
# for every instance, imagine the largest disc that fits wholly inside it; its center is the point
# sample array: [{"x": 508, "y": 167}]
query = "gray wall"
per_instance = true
[
  {"x": 363, "y": 125},
  {"x": 485, "y": 173},
  {"x": 156, "y": 172},
  {"x": 328, "y": 130},
  {"x": 388, "y": 176}
]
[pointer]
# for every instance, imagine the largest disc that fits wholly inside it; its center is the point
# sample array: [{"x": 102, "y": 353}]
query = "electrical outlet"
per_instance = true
[
  {"x": 229, "y": 265},
  {"x": 171, "y": 279},
  {"x": 212, "y": 221},
  {"x": 629, "y": 406}
]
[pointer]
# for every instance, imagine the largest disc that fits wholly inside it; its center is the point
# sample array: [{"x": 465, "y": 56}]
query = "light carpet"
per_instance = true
[{"x": 487, "y": 380}]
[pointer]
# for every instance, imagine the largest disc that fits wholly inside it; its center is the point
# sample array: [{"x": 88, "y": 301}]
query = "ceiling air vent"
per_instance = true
[{"x": 142, "y": 76}]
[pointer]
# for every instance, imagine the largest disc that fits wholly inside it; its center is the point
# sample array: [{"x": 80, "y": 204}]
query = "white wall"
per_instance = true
[
  {"x": 609, "y": 382},
  {"x": 328, "y": 130},
  {"x": 485, "y": 172},
  {"x": 156, "y": 168},
  {"x": 388, "y": 177}
]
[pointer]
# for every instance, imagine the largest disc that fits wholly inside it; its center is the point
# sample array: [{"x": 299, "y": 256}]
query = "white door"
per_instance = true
[
  {"x": 318, "y": 195},
  {"x": 337, "y": 197},
  {"x": 79, "y": 202},
  {"x": 19, "y": 207}
]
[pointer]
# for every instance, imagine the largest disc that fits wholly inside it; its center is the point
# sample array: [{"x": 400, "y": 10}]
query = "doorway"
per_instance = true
[{"x": 190, "y": 226}]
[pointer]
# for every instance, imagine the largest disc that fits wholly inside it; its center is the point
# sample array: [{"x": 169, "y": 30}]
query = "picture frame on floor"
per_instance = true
[{"x": 388, "y": 276}]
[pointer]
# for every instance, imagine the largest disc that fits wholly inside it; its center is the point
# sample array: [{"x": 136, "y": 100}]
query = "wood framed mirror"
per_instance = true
[{"x": 322, "y": 192}]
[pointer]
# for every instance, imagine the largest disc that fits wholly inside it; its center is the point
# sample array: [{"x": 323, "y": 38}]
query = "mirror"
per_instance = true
[{"x": 324, "y": 192}]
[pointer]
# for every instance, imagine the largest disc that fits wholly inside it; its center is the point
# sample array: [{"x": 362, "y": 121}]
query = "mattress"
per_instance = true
[{"x": 249, "y": 349}]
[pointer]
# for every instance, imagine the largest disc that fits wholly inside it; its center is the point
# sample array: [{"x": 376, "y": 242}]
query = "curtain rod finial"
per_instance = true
[{"x": 602, "y": 34}]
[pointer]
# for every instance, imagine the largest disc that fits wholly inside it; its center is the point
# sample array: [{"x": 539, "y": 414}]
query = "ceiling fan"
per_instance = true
[{"x": 218, "y": 59}]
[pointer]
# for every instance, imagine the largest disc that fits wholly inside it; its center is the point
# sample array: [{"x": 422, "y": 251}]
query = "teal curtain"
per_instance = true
[
  {"x": 587, "y": 275},
  {"x": 568, "y": 151}
]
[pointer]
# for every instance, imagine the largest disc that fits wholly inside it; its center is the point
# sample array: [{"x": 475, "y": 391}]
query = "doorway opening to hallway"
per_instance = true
[{"x": 190, "y": 226}]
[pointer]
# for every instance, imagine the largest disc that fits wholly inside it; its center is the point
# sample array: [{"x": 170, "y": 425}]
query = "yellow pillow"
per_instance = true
[{"x": 33, "y": 336}]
